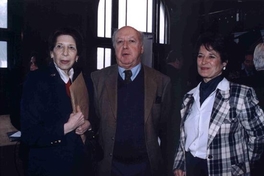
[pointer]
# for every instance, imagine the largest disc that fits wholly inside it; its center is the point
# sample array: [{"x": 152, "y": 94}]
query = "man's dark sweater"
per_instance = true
[{"x": 130, "y": 137}]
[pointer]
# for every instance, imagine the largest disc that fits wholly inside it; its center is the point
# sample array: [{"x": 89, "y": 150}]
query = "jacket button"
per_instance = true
[
  {"x": 110, "y": 154},
  {"x": 113, "y": 138},
  {"x": 210, "y": 156}
]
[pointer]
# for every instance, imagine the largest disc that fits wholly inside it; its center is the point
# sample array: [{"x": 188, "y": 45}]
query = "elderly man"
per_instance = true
[
  {"x": 132, "y": 102},
  {"x": 258, "y": 59}
]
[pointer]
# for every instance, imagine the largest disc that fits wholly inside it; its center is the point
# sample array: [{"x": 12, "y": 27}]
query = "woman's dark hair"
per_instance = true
[
  {"x": 215, "y": 41},
  {"x": 67, "y": 31}
]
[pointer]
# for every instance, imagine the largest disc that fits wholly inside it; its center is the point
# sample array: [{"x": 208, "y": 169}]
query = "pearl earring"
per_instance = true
[{"x": 224, "y": 68}]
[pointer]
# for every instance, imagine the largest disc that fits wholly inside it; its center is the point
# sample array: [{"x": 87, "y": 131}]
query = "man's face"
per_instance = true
[
  {"x": 33, "y": 66},
  {"x": 128, "y": 47},
  {"x": 248, "y": 62}
]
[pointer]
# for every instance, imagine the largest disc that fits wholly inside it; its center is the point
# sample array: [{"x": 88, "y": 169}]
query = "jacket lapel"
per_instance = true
[
  {"x": 186, "y": 108},
  {"x": 150, "y": 92},
  {"x": 187, "y": 104},
  {"x": 111, "y": 87},
  {"x": 220, "y": 111}
]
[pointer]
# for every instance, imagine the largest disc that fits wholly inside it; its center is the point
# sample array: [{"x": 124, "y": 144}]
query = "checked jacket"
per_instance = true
[{"x": 236, "y": 131}]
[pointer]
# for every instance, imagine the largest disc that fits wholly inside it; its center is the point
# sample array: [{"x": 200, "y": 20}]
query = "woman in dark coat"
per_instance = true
[{"x": 48, "y": 125}]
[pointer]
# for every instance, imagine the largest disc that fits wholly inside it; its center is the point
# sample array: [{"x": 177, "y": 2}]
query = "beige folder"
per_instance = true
[{"x": 79, "y": 95}]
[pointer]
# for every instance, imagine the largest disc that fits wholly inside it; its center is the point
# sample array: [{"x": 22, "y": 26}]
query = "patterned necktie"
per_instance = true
[
  {"x": 68, "y": 84},
  {"x": 128, "y": 74}
]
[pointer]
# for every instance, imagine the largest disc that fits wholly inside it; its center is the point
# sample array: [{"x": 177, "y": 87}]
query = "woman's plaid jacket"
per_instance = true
[{"x": 236, "y": 131}]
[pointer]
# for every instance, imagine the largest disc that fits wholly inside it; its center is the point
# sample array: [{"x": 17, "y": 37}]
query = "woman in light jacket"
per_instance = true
[{"x": 222, "y": 127}]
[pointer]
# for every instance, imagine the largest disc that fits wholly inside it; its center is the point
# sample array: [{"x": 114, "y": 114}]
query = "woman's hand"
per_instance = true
[
  {"x": 83, "y": 128},
  {"x": 75, "y": 120},
  {"x": 179, "y": 172}
]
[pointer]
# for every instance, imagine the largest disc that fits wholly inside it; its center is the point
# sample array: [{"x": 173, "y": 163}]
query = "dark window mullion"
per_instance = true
[
  {"x": 158, "y": 20},
  {"x": 104, "y": 59},
  {"x": 166, "y": 25},
  {"x": 154, "y": 21},
  {"x": 115, "y": 14}
]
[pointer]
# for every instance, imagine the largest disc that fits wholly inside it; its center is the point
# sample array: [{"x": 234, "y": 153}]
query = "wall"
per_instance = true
[{"x": 34, "y": 22}]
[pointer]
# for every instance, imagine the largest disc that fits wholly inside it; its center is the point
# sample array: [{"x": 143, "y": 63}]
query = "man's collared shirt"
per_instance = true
[{"x": 135, "y": 70}]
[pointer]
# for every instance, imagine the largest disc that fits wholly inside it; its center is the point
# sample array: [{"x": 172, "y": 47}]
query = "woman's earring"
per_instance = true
[{"x": 224, "y": 68}]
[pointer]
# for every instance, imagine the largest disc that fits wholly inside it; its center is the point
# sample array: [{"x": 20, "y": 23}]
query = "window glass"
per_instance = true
[
  {"x": 150, "y": 7},
  {"x": 3, "y": 54},
  {"x": 162, "y": 24},
  {"x": 122, "y": 13},
  {"x": 136, "y": 13},
  {"x": 100, "y": 21},
  {"x": 104, "y": 18},
  {"x": 100, "y": 58},
  {"x": 3, "y": 13},
  {"x": 108, "y": 25},
  {"x": 103, "y": 57},
  {"x": 107, "y": 57}
]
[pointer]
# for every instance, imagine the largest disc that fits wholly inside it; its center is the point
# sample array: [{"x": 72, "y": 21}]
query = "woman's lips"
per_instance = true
[{"x": 65, "y": 61}]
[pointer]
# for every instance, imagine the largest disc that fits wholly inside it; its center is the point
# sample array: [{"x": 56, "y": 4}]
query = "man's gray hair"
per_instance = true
[
  {"x": 258, "y": 58},
  {"x": 141, "y": 37}
]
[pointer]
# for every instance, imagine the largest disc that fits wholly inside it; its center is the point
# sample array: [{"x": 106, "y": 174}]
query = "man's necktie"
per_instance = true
[
  {"x": 128, "y": 74},
  {"x": 68, "y": 84}
]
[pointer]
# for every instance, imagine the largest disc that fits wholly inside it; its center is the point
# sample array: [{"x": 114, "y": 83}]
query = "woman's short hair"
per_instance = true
[
  {"x": 258, "y": 57},
  {"x": 67, "y": 31},
  {"x": 215, "y": 41}
]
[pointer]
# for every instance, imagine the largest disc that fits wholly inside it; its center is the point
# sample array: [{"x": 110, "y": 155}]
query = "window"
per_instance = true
[
  {"x": 3, "y": 13},
  {"x": 103, "y": 57},
  {"x": 162, "y": 25},
  {"x": 104, "y": 18},
  {"x": 113, "y": 14},
  {"x": 3, "y": 54},
  {"x": 127, "y": 15},
  {"x": 3, "y": 26}
]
